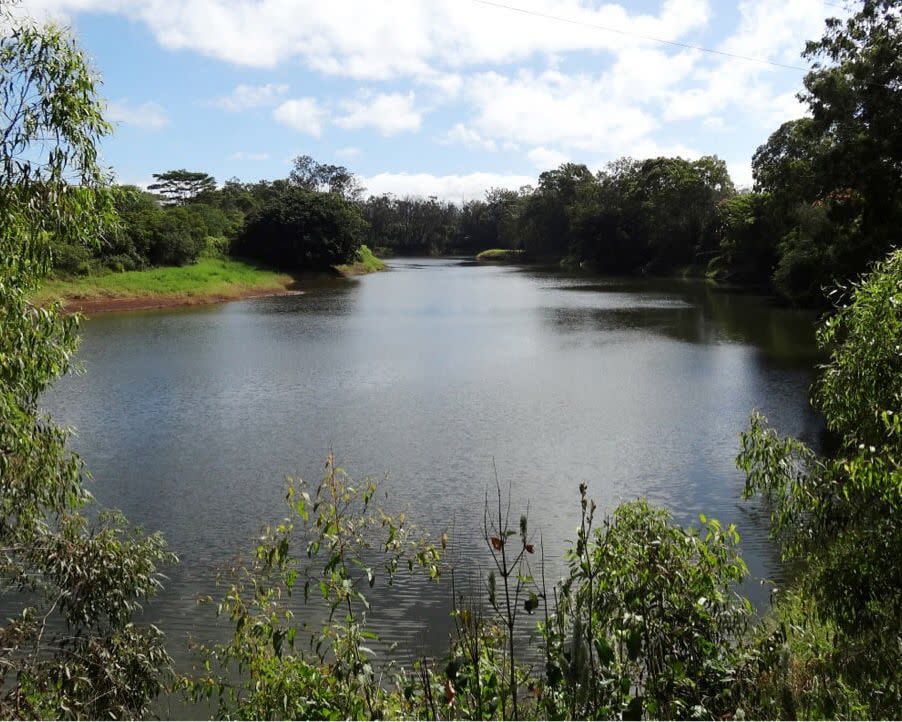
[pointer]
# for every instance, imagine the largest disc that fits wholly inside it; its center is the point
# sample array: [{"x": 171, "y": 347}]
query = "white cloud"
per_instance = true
[
  {"x": 551, "y": 108},
  {"x": 449, "y": 84},
  {"x": 302, "y": 114},
  {"x": 772, "y": 30},
  {"x": 741, "y": 173},
  {"x": 245, "y": 97},
  {"x": 785, "y": 106},
  {"x": 468, "y": 137},
  {"x": 348, "y": 152},
  {"x": 448, "y": 187},
  {"x": 244, "y": 155},
  {"x": 649, "y": 148},
  {"x": 392, "y": 38},
  {"x": 777, "y": 29},
  {"x": 467, "y": 52},
  {"x": 389, "y": 113},
  {"x": 714, "y": 122},
  {"x": 545, "y": 159},
  {"x": 145, "y": 115}
]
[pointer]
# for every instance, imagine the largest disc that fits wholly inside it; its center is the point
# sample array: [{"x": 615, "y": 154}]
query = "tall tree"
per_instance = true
[
  {"x": 855, "y": 96},
  {"x": 835, "y": 179},
  {"x": 313, "y": 176},
  {"x": 72, "y": 650},
  {"x": 180, "y": 186},
  {"x": 304, "y": 230}
]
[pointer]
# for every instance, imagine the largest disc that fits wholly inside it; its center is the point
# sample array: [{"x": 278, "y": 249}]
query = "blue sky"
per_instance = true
[{"x": 444, "y": 97}]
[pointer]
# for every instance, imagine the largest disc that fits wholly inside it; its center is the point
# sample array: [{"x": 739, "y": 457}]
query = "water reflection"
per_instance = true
[{"x": 190, "y": 418}]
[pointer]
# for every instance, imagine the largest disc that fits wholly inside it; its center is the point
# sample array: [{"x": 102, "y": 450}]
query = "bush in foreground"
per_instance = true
[{"x": 841, "y": 515}]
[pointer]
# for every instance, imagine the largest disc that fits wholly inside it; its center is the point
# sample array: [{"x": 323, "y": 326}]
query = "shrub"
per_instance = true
[
  {"x": 327, "y": 549},
  {"x": 303, "y": 229},
  {"x": 647, "y": 623},
  {"x": 842, "y": 515}
]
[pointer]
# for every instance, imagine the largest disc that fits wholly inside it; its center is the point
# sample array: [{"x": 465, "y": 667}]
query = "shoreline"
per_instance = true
[
  {"x": 146, "y": 303},
  {"x": 209, "y": 281}
]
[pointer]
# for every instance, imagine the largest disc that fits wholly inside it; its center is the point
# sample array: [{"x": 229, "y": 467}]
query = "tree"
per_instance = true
[
  {"x": 835, "y": 179},
  {"x": 413, "y": 225},
  {"x": 546, "y": 228},
  {"x": 302, "y": 229},
  {"x": 312, "y": 176},
  {"x": 73, "y": 649},
  {"x": 789, "y": 164},
  {"x": 180, "y": 186},
  {"x": 841, "y": 514},
  {"x": 856, "y": 101},
  {"x": 747, "y": 251},
  {"x": 679, "y": 199}
]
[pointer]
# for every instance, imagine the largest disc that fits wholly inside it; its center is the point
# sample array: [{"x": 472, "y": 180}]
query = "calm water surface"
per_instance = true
[{"x": 189, "y": 419}]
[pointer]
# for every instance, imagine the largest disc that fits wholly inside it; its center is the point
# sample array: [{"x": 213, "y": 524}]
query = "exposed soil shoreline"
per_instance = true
[{"x": 142, "y": 303}]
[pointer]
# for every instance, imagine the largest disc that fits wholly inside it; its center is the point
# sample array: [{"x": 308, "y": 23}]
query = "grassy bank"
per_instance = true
[
  {"x": 207, "y": 281},
  {"x": 366, "y": 262},
  {"x": 500, "y": 255}
]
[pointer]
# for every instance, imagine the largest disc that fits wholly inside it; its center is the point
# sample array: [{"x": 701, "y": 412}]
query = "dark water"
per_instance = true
[{"x": 190, "y": 418}]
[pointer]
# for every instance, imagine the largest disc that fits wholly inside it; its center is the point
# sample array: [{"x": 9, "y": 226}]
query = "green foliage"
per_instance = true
[
  {"x": 500, "y": 255},
  {"x": 746, "y": 249},
  {"x": 806, "y": 264},
  {"x": 835, "y": 179},
  {"x": 211, "y": 277},
  {"x": 334, "y": 546},
  {"x": 646, "y": 624},
  {"x": 841, "y": 514},
  {"x": 72, "y": 651},
  {"x": 792, "y": 670},
  {"x": 149, "y": 235},
  {"x": 306, "y": 173},
  {"x": 412, "y": 226},
  {"x": 635, "y": 215},
  {"x": 303, "y": 229},
  {"x": 544, "y": 226},
  {"x": 366, "y": 262},
  {"x": 862, "y": 383},
  {"x": 653, "y": 215},
  {"x": 177, "y": 187}
]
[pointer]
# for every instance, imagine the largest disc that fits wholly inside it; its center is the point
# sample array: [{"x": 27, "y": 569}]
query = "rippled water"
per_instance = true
[{"x": 190, "y": 418}]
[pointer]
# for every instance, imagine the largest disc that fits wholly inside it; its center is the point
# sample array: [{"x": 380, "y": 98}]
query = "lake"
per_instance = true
[{"x": 427, "y": 377}]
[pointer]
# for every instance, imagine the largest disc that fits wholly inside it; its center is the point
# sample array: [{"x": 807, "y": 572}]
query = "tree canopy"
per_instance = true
[
  {"x": 303, "y": 229},
  {"x": 73, "y": 649},
  {"x": 177, "y": 187}
]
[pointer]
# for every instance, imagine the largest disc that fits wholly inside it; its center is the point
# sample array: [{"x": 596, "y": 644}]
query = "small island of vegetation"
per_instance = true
[{"x": 501, "y": 255}]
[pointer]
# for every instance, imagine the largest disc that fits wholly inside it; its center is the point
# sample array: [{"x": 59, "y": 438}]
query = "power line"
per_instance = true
[{"x": 627, "y": 33}]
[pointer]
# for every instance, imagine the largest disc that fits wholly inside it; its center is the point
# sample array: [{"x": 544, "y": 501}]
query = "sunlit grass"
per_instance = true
[
  {"x": 212, "y": 277},
  {"x": 500, "y": 254},
  {"x": 366, "y": 262}
]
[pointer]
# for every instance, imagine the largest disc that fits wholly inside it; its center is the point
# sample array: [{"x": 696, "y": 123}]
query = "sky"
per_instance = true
[{"x": 438, "y": 97}]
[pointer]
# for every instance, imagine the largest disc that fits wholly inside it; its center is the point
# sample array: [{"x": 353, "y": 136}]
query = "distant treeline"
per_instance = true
[
  {"x": 793, "y": 233},
  {"x": 826, "y": 204}
]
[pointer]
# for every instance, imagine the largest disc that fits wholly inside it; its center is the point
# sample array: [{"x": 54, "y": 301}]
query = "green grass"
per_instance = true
[
  {"x": 209, "y": 278},
  {"x": 500, "y": 255},
  {"x": 366, "y": 263}
]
